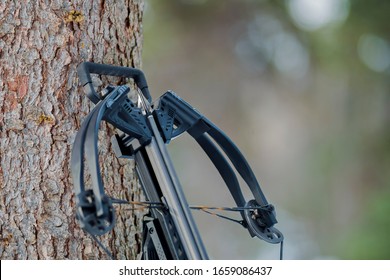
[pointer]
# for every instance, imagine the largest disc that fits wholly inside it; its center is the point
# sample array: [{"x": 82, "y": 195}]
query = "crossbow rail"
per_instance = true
[{"x": 144, "y": 130}]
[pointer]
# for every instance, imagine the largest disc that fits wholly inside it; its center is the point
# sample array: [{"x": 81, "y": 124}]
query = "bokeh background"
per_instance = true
[{"x": 302, "y": 87}]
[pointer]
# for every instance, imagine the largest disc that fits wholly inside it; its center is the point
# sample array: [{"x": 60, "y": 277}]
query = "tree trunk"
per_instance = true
[{"x": 41, "y": 109}]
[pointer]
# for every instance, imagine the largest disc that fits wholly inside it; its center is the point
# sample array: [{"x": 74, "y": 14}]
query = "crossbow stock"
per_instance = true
[{"x": 144, "y": 130}]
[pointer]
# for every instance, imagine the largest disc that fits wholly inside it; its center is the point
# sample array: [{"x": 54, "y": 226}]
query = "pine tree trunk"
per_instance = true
[{"x": 41, "y": 109}]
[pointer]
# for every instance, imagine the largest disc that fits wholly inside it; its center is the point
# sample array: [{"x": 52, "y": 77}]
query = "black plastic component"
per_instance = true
[
  {"x": 121, "y": 148},
  {"x": 124, "y": 115},
  {"x": 174, "y": 115},
  {"x": 260, "y": 222},
  {"x": 85, "y": 70},
  {"x": 87, "y": 215},
  {"x": 153, "y": 248}
]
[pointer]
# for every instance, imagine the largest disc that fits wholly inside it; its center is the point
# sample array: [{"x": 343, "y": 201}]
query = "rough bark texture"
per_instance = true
[{"x": 42, "y": 107}]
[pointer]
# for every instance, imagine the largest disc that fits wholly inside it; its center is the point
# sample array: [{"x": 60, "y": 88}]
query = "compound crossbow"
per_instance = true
[{"x": 144, "y": 129}]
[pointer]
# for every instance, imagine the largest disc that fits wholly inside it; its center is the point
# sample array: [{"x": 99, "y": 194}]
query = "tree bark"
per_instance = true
[{"x": 41, "y": 109}]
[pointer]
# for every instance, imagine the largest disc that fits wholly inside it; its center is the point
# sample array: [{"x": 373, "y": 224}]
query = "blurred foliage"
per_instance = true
[
  {"x": 369, "y": 238},
  {"x": 321, "y": 97}
]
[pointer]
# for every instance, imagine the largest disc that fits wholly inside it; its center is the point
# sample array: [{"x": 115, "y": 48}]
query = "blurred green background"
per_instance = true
[{"x": 302, "y": 87}]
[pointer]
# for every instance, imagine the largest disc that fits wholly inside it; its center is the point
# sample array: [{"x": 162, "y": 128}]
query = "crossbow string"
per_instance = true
[{"x": 146, "y": 205}]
